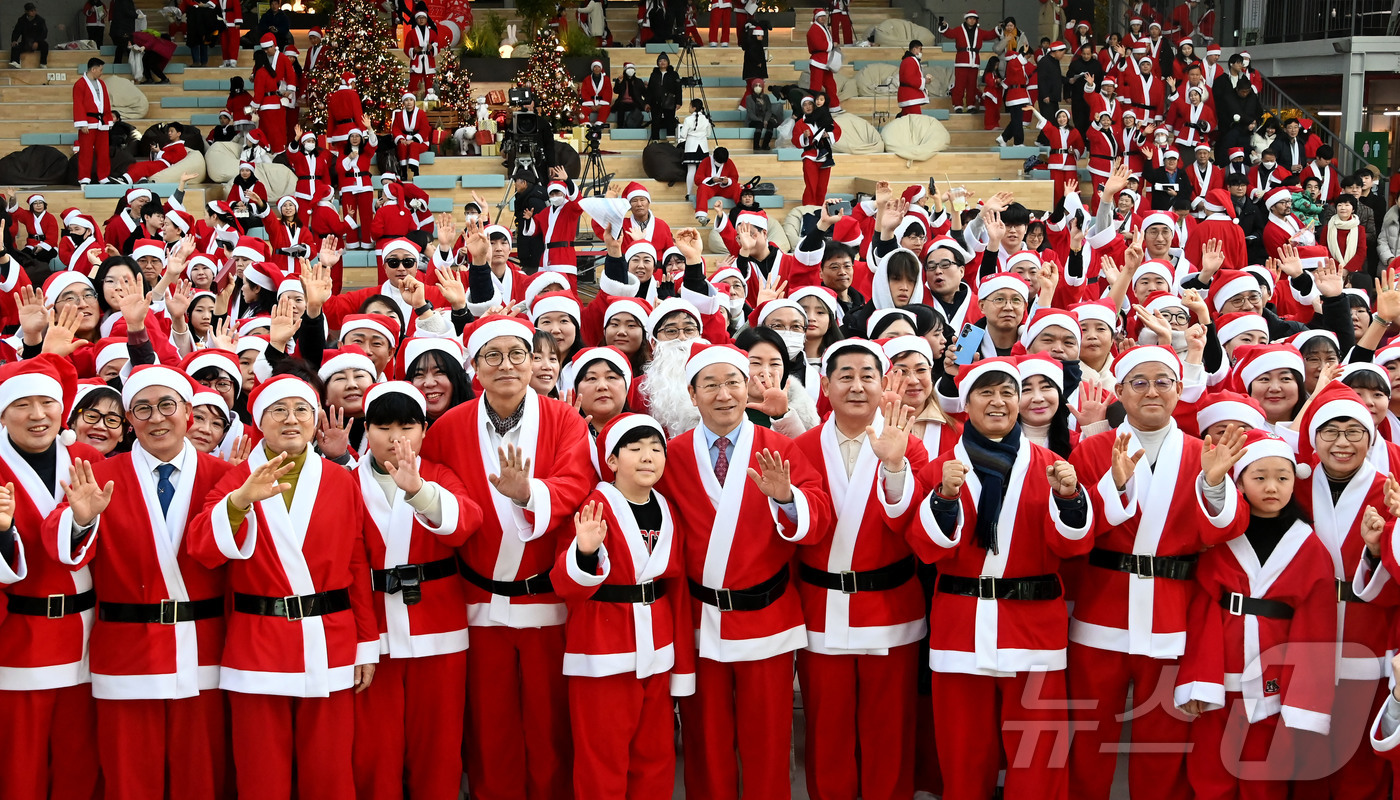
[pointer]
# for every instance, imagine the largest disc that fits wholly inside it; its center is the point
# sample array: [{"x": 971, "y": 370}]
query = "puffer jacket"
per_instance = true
[{"x": 1388, "y": 241}]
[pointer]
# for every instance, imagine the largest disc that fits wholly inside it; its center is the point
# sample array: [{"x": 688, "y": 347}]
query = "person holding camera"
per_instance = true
[
  {"x": 694, "y": 139},
  {"x": 663, "y": 97}
]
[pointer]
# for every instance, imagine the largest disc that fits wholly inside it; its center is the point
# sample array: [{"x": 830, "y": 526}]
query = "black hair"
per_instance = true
[
  {"x": 994, "y": 378},
  {"x": 1351, "y": 181},
  {"x": 1356, "y": 302},
  {"x": 1345, "y": 198},
  {"x": 387, "y": 300},
  {"x": 542, "y": 340},
  {"x": 661, "y": 323},
  {"x": 1366, "y": 379},
  {"x": 1236, "y": 179},
  {"x": 151, "y": 209},
  {"x": 1316, "y": 343},
  {"x": 1302, "y": 394},
  {"x": 886, "y": 321},
  {"x": 956, "y": 253},
  {"x": 95, "y": 62},
  {"x": 176, "y": 126},
  {"x": 300, "y": 368},
  {"x": 837, "y": 250},
  {"x": 1057, "y": 437},
  {"x": 1312, "y": 179},
  {"x": 915, "y": 229},
  {"x": 395, "y": 408},
  {"x": 109, "y": 264},
  {"x": 235, "y": 86},
  {"x": 904, "y": 265},
  {"x": 261, "y": 61},
  {"x": 993, "y": 64},
  {"x": 1326, "y": 151},
  {"x": 91, "y": 399},
  {"x": 748, "y": 338},
  {"x": 1236, "y": 59},
  {"x": 1044, "y": 233},
  {"x": 833, "y": 332},
  {"x": 853, "y": 349},
  {"x": 1016, "y": 214},
  {"x": 1182, "y": 202},
  {"x": 638, "y": 434},
  {"x": 264, "y": 300},
  {"x": 455, "y": 373}
]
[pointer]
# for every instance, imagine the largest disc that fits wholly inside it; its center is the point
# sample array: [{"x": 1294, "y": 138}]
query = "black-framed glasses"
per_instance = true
[
  {"x": 94, "y": 417},
  {"x": 144, "y": 411},
  {"x": 1352, "y": 435},
  {"x": 218, "y": 384},
  {"x": 495, "y": 358},
  {"x": 939, "y": 266},
  {"x": 672, "y": 331},
  {"x": 1176, "y": 317}
]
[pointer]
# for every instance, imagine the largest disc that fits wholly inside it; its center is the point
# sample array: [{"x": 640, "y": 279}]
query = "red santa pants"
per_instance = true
[
  {"x": 1353, "y": 769},
  {"x": 841, "y": 28},
  {"x": 719, "y": 24},
  {"x": 979, "y": 716},
  {"x": 271, "y": 733},
  {"x": 141, "y": 742},
  {"x": 914, "y": 110},
  {"x": 145, "y": 169},
  {"x": 1058, "y": 176},
  {"x": 704, "y": 194},
  {"x": 273, "y": 123},
  {"x": 744, "y": 702},
  {"x": 417, "y": 79},
  {"x": 814, "y": 182},
  {"x": 408, "y": 728},
  {"x": 624, "y": 737},
  {"x": 93, "y": 143},
  {"x": 1232, "y": 759},
  {"x": 517, "y": 745},
  {"x": 860, "y": 723},
  {"x": 991, "y": 113},
  {"x": 822, "y": 80},
  {"x": 1098, "y": 685},
  {"x": 965, "y": 88},
  {"x": 408, "y": 152},
  {"x": 358, "y": 206},
  {"x": 228, "y": 42},
  {"x": 48, "y": 744}
]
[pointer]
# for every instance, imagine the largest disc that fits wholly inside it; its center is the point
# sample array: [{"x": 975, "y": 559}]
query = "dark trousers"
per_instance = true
[
  {"x": 1048, "y": 107},
  {"x": 97, "y": 33},
  {"x": 1013, "y": 134},
  {"x": 199, "y": 54},
  {"x": 123, "y": 45},
  {"x": 28, "y": 45},
  {"x": 152, "y": 64},
  {"x": 663, "y": 118}
]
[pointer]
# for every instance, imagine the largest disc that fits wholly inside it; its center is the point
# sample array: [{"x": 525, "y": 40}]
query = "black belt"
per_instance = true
[
  {"x": 644, "y": 593},
  {"x": 293, "y": 607},
  {"x": 535, "y": 584},
  {"x": 1060, "y": 151},
  {"x": 54, "y": 606},
  {"x": 1345, "y": 594},
  {"x": 881, "y": 579},
  {"x": 342, "y": 121},
  {"x": 753, "y": 598},
  {"x": 1015, "y": 86},
  {"x": 1238, "y": 604},
  {"x": 166, "y": 612},
  {"x": 407, "y": 578},
  {"x": 558, "y": 245},
  {"x": 1034, "y": 587},
  {"x": 1179, "y": 568},
  {"x": 1103, "y": 157},
  {"x": 306, "y": 177},
  {"x": 1144, "y": 106}
]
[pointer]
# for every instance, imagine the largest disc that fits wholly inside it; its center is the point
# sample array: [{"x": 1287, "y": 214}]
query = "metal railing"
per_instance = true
[
  {"x": 1310, "y": 20},
  {"x": 1277, "y": 102}
]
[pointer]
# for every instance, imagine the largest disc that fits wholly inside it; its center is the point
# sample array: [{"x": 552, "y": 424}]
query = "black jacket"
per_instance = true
[
  {"x": 30, "y": 30},
  {"x": 637, "y": 88},
  {"x": 755, "y": 55},
  {"x": 1075, "y": 88},
  {"x": 1048, "y": 76},
  {"x": 123, "y": 18},
  {"x": 664, "y": 89},
  {"x": 1283, "y": 150}
]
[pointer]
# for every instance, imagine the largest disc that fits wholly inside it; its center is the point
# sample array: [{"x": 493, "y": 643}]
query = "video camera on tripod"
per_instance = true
[{"x": 526, "y": 145}]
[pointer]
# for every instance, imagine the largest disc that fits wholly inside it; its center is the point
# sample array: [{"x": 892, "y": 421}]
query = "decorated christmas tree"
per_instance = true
[
  {"x": 453, "y": 85},
  {"x": 360, "y": 42},
  {"x": 556, "y": 96}
]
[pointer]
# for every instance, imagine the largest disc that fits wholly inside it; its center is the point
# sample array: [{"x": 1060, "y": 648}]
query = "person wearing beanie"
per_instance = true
[{"x": 160, "y": 629}]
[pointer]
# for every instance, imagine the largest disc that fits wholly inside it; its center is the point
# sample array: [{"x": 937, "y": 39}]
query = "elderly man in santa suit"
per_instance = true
[
  {"x": 746, "y": 500},
  {"x": 408, "y": 724},
  {"x": 638, "y": 218},
  {"x": 48, "y": 745},
  {"x": 302, "y": 633},
  {"x": 860, "y": 599},
  {"x": 526, "y": 458},
  {"x": 159, "y": 637},
  {"x": 1129, "y": 620}
]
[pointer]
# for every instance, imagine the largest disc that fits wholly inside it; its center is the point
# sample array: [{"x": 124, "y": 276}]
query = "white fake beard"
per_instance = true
[{"x": 665, "y": 389}]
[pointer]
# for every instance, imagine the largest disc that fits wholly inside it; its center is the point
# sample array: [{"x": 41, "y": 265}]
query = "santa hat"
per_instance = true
[
  {"x": 221, "y": 360},
  {"x": 267, "y": 41},
  {"x": 1236, "y": 323},
  {"x": 704, "y": 355},
  {"x": 347, "y": 77},
  {"x": 316, "y": 31},
  {"x": 380, "y": 391},
  {"x": 347, "y": 357},
  {"x": 847, "y": 231},
  {"x": 1171, "y": 153},
  {"x": 1134, "y": 357},
  {"x": 760, "y": 315},
  {"x": 668, "y": 307},
  {"x": 1218, "y": 201},
  {"x": 45, "y": 375},
  {"x": 415, "y": 346},
  {"x": 613, "y": 356},
  {"x": 400, "y": 246},
  {"x": 264, "y": 274},
  {"x": 74, "y": 216},
  {"x": 250, "y": 248},
  {"x": 148, "y": 375},
  {"x": 246, "y": 343},
  {"x": 626, "y": 65},
  {"x": 642, "y": 248},
  {"x": 1043, "y": 365},
  {"x": 900, "y": 345},
  {"x": 1260, "y": 444},
  {"x": 825, "y": 295},
  {"x": 408, "y": 96},
  {"x": 497, "y": 230},
  {"x": 758, "y": 219},
  {"x": 137, "y": 194},
  {"x": 1156, "y": 301},
  {"x": 971, "y": 14},
  {"x": 1109, "y": 80},
  {"x": 1228, "y": 283},
  {"x": 290, "y": 284},
  {"x": 382, "y": 324},
  {"x": 1303, "y": 337},
  {"x": 247, "y": 326},
  {"x": 1004, "y": 280},
  {"x": 1049, "y": 318},
  {"x": 495, "y": 326},
  {"x": 1385, "y": 355},
  {"x": 544, "y": 283},
  {"x": 1157, "y": 218},
  {"x": 204, "y": 396},
  {"x": 1264, "y": 276},
  {"x": 181, "y": 219},
  {"x": 1154, "y": 24},
  {"x": 1204, "y": 148},
  {"x": 1236, "y": 152},
  {"x": 818, "y": 14},
  {"x": 60, "y": 282},
  {"x": 635, "y": 306},
  {"x": 970, "y": 373},
  {"x": 551, "y": 302},
  {"x": 1157, "y": 267},
  {"x": 109, "y": 349},
  {"x": 1100, "y": 310},
  {"x": 612, "y": 433},
  {"x": 1255, "y": 360},
  {"x": 1213, "y": 49},
  {"x": 148, "y": 247},
  {"x": 1334, "y": 401},
  {"x": 1279, "y": 195},
  {"x": 634, "y": 190},
  {"x": 277, "y": 389},
  {"x": 1058, "y": 47},
  {"x": 846, "y": 345},
  {"x": 557, "y": 186},
  {"x": 873, "y": 323},
  {"x": 1227, "y": 406}
]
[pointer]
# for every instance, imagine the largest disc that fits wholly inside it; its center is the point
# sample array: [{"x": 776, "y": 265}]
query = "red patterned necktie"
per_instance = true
[{"x": 722, "y": 460}]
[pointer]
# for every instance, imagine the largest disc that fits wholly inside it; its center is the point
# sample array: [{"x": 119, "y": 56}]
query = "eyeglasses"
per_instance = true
[
  {"x": 495, "y": 358},
  {"x": 673, "y": 331},
  {"x": 1352, "y": 435},
  {"x": 1015, "y": 301},
  {"x": 1175, "y": 317},
  {"x": 73, "y": 297},
  {"x": 1244, "y": 299},
  {"x": 401, "y": 263},
  {"x": 939, "y": 266},
  {"x": 144, "y": 411},
  {"x": 301, "y": 411},
  {"x": 1162, "y": 385},
  {"x": 93, "y": 417},
  {"x": 219, "y": 384},
  {"x": 796, "y": 327},
  {"x": 713, "y": 388},
  {"x": 1320, "y": 361}
]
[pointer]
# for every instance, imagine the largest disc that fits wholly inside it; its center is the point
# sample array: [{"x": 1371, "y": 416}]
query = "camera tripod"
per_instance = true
[
  {"x": 594, "y": 178},
  {"x": 692, "y": 81}
]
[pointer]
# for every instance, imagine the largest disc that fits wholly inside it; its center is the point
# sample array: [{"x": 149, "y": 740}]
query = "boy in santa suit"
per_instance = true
[
  {"x": 1129, "y": 620},
  {"x": 48, "y": 746},
  {"x": 159, "y": 636},
  {"x": 1325, "y": 171},
  {"x": 526, "y": 457},
  {"x": 92, "y": 116},
  {"x": 408, "y": 724},
  {"x": 597, "y": 95},
  {"x": 630, "y": 646},
  {"x": 302, "y": 632},
  {"x": 409, "y": 133},
  {"x": 1264, "y": 630},
  {"x": 716, "y": 176},
  {"x": 744, "y": 503},
  {"x": 231, "y": 17},
  {"x": 79, "y": 236},
  {"x": 863, "y": 607},
  {"x": 420, "y": 44},
  {"x": 911, "y": 95},
  {"x": 41, "y": 227},
  {"x": 820, "y": 50},
  {"x": 969, "y": 39}
]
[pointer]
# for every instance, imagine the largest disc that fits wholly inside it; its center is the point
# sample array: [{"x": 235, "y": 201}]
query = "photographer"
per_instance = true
[
  {"x": 529, "y": 136},
  {"x": 663, "y": 97}
]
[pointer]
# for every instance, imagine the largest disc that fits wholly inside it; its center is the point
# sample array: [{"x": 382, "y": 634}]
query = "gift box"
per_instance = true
[{"x": 490, "y": 150}]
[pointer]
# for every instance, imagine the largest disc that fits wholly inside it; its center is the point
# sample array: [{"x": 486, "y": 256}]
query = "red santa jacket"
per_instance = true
[
  {"x": 277, "y": 551},
  {"x": 819, "y": 47},
  {"x": 736, "y": 537},
  {"x": 1065, "y": 146},
  {"x": 515, "y": 543},
  {"x": 410, "y": 127},
  {"x": 1103, "y": 149},
  {"x": 1222, "y": 227},
  {"x": 1194, "y": 124},
  {"x": 238, "y": 106},
  {"x": 1145, "y": 93},
  {"x": 172, "y": 154},
  {"x": 311, "y": 169},
  {"x": 1327, "y": 176},
  {"x": 605, "y": 638},
  {"x": 41, "y": 229},
  {"x": 138, "y": 555},
  {"x": 559, "y": 227},
  {"x": 92, "y": 105},
  {"x": 597, "y": 92},
  {"x": 1280, "y": 666},
  {"x": 343, "y": 112},
  {"x": 969, "y": 41},
  {"x": 1004, "y": 636},
  {"x": 231, "y": 11},
  {"x": 705, "y": 173},
  {"x": 866, "y": 535},
  {"x": 266, "y": 88},
  {"x": 1123, "y": 612},
  {"x": 911, "y": 82},
  {"x": 1180, "y": 26},
  {"x": 420, "y": 44},
  {"x": 808, "y": 137},
  {"x": 281, "y": 237},
  {"x": 353, "y": 172},
  {"x": 1015, "y": 88},
  {"x": 1204, "y": 180},
  {"x": 398, "y": 537},
  {"x": 13, "y": 276}
]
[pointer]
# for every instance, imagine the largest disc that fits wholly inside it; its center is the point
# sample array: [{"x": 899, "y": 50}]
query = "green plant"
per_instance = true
[
  {"x": 483, "y": 40},
  {"x": 533, "y": 15},
  {"x": 578, "y": 42}
]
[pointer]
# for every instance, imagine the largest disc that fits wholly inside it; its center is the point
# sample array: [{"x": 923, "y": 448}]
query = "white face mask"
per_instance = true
[
  {"x": 736, "y": 306},
  {"x": 794, "y": 341},
  {"x": 556, "y": 200},
  {"x": 629, "y": 72},
  {"x": 472, "y": 218},
  {"x": 308, "y": 146}
]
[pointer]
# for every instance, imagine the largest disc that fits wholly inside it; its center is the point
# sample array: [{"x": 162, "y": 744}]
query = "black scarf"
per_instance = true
[
  {"x": 992, "y": 463},
  {"x": 246, "y": 184}
]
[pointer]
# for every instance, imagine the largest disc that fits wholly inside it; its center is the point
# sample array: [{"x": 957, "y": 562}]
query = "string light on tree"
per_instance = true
[
  {"x": 361, "y": 42},
  {"x": 454, "y": 85},
  {"x": 556, "y": 96}
]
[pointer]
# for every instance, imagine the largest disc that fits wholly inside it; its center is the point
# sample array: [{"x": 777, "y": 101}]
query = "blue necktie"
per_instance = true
[{"x": 165, "y": 490}]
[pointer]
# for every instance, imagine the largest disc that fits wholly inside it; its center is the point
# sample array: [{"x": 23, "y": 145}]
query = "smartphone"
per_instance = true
[
  {"x": 969, "y": 342},
  {"x": 932, "y": 187},
  {"x": 838, "y": 208}
]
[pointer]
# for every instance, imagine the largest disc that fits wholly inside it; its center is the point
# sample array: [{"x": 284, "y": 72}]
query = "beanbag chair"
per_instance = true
[
  {"x": 858, "y": 137},
  {"x": 279, "y": 180},
  {"x": 777, "y": 237},
  {"x": 35, "y": 165},
  {"x": 846, "y": 85},
  {"x": 877, "y": 80},
  {"x": 221, "y": 161},
  {"x": 192, "y": 163},
  {"x": 127, "y": 98},
  {"x": 662, "y": 162},
  {"x": 899, "y": 32},
  {"x": 567, "y": 157},
  {"x": 792, "y": 223},
  {"x": 938, "y": 80},
  {"x": 915, "y": 137}
]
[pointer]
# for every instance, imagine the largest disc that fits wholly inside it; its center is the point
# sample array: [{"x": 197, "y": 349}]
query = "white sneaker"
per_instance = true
[
  {"x": 14, "y": 64},
  {"x": 84, "y": 181},
  {"x": 724, "y": 44},
  {"x": 957, "y": 109},
  {"x": 1000, "y": 142},
  {"x": 712, "y": 44}
]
